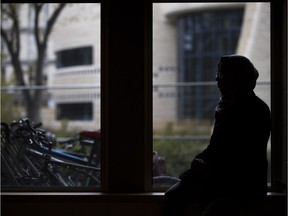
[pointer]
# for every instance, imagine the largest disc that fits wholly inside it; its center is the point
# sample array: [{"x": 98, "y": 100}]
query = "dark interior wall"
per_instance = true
[
  {"x": 83, "y": 205},
  {"x": 114, "y": 205}
]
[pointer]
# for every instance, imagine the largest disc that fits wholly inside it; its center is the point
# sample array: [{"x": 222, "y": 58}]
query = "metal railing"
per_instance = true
[
  {"x": 54, "y": 87},
  {"x": 97, "y": 86},
  {"x": 200, "y": 83},
  {"x": 181, "y": 138}
]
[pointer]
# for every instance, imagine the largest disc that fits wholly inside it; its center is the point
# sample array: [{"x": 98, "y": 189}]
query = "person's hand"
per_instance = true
[
  {"x": 198, "y": 164},
  {"x": 200, "y": 168}
]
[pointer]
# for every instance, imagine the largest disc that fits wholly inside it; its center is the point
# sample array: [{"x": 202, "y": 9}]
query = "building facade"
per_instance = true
[
  {"x": 76, "y": 47},
  {"x": 188, "y": 40}
]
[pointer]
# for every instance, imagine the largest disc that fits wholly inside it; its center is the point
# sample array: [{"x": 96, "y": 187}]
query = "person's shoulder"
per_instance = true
[
  {"x": 260, "y": 104},
  {"x": 260, "y": 101}
]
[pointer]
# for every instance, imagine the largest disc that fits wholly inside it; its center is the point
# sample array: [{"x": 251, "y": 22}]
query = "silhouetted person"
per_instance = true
[{"x": 233, "y": 168}]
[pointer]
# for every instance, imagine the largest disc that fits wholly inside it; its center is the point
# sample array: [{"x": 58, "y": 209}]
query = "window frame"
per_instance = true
[
  {"x": 138, "y": 112},
  {"x": 278, "y": 96}
]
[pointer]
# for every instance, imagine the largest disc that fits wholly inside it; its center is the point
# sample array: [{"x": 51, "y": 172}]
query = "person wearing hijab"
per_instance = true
[{"x": 233, "y": 167}]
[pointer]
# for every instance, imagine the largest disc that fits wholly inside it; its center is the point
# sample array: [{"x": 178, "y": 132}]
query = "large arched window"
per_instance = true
[{"x": 202, "y": 38}]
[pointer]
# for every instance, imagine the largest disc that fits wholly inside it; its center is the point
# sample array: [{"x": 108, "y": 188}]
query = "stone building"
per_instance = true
[{"x": 76, "y": 45}]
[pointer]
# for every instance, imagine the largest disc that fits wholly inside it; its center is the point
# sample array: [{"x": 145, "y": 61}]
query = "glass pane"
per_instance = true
[
  {"x": 188, "y": 41},
  {"x": 50, "y": 111}
]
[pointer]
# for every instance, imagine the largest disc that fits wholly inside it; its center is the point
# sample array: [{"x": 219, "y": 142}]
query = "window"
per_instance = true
[
  {"x": 75, "y": 111},
  {"x": 74, "y": 57},
  {"x": 126, "y": 108},
  {"x": 63, "y": 94},
  {"x": 188, "y": 41}
]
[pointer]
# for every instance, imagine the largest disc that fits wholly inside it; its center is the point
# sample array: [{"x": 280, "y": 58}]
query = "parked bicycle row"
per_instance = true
[
  {"x": 29, "y": 157},
  {"x": 32, "y": 156}
]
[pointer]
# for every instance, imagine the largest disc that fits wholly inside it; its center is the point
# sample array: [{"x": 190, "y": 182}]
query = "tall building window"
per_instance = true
[{"x": 202, "y": 38}]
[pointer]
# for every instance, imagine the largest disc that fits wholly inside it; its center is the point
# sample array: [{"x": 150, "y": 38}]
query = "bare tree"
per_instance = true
[{"x": 11, "y": 37}]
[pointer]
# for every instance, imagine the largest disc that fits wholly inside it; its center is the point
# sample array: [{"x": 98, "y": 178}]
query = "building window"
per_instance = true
[
  {"x": 75, "y": 111},
  {"x": 202, "y": 38},
  {"x": 75, "y": 57}
]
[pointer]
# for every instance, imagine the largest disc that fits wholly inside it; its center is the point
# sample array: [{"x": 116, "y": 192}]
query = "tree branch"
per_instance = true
[
  {"x": 16, "y": 31},
  {"x": 37, "y": 8},
  {"x": 4, "y": 35},
  {"x": 52, "y": 20},
  {"x": 14, "y": 58},
  {"x": 13, "y": 43},
  {"x": 43, "y": 44}
]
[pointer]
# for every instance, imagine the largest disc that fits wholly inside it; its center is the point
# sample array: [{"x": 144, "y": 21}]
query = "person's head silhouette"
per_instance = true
[{"x": 236, "y": 74}]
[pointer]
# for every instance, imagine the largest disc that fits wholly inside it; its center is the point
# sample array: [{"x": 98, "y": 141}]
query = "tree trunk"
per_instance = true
[
  {"x": 33, "y": 107},
  {"x": 32, "y": 100},
  {"x": 33, "y": 112}
]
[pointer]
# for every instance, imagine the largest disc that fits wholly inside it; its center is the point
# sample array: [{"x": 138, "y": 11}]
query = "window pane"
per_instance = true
[
  {"x": 63, "y": 94},
  {"x": 188, "y": 41},
  {"x": 74, "y": 57},
  {"x": 75, "y": 111}
]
